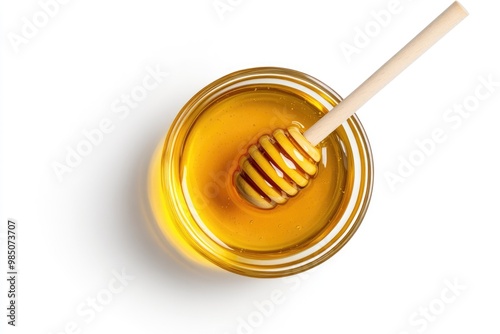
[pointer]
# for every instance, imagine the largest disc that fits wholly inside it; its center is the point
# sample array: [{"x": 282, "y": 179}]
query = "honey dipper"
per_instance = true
[{"x": 278, "y": 166}]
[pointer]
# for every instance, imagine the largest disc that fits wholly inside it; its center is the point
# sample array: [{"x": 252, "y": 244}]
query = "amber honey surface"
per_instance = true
[{"x": 215, "y": 141}]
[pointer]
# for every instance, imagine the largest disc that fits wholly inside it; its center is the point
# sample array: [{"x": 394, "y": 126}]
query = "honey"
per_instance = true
[
  {"x": 211, "y": 154},
  {"x": 201, "y": 155}
]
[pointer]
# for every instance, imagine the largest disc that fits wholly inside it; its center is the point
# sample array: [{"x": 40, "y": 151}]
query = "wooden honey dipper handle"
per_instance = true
[
  {"x": 394, "y": 66},
  {"x": 266, "y": 184}
]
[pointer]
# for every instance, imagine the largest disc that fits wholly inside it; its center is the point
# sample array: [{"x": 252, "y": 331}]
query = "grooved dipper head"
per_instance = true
[{"x": 276, "y": 168}]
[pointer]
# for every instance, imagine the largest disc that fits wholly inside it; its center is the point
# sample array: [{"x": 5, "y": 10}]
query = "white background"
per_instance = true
[{"x": 440, "y": 225}]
